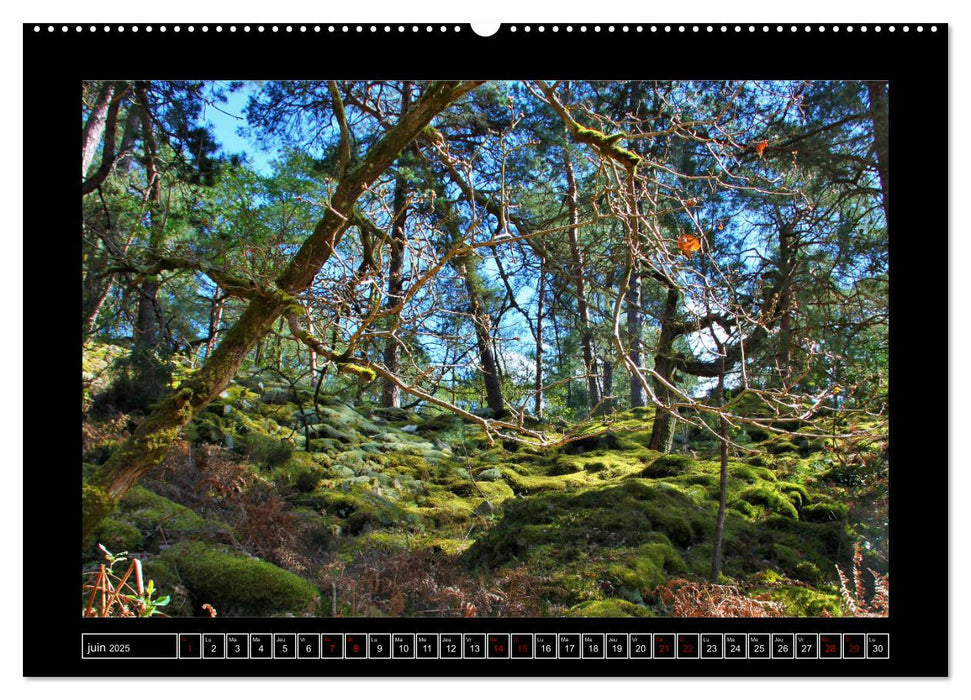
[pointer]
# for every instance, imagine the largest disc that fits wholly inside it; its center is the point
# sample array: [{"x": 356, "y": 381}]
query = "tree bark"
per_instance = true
[
  {"x": 391, "y": 392},
  {"x": 665, "y": 419},
  {"x": 634, "y": 323},
  {"x": 107, "y": 130},
  {"x": 716, "y": 557},
  {"x": 94, "y": 127},
  {"x": 579, "y": 284},
  {"x": 150, "y": 442},
  {"x": 538, "y": 407},
  {"x": 880, "y": 114},
  {"x": 483, "y": 336},
  {"x": 608, "y": 388},
  {"x": 148, "y": 319},
  {"x": 215, "y": 320}
]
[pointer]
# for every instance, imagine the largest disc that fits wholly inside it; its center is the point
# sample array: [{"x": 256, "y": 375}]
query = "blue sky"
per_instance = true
[{"x": 228, "y": 120}]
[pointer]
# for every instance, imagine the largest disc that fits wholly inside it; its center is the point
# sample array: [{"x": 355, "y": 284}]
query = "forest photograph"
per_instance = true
[{"x": 532, "y": 348}]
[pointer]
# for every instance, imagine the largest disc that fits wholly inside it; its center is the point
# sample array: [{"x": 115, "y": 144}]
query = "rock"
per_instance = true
[
  {"x": 485, "y": 508},
  {"x": 391, "y": 414},
  {"x": 410, "y": 429},
  {"x": 304, "y": 416},
  {"x": 493, "y": 474},
  {"x": 605, "y": 441},
  {"x": 229, "y": 442},
  {"x": 276, "y": 395},
  {"x": 227, "y": 409}
]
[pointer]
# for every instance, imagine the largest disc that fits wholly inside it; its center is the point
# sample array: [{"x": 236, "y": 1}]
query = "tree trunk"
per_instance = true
[
  {"x": 391, "y": 392},
  {"x": 105, "y": 132},
  {"x": 716, "y": 557},
  {"x": 880, "y": 114},
  {"x": 483, "y": 337},
  {"x": 148, "y": 321},
  {"x": 538, "y": 408},
  {"x": 215, "y": 321},
  {"x": 787, "y": 264},
  {"x": 94, "y": 127},
  {"x": 579, "y": 284},
  {"x": 150, "y": 442},
  {"x": 634, "y": 333},
  {"x": 665, "y": 419},
  {"x": 608, "y": 392}
]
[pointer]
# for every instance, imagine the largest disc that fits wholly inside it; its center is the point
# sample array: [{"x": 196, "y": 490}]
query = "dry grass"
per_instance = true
[
  {"x": 427, "y": 583},
  {"x": 691, "y": 599}
]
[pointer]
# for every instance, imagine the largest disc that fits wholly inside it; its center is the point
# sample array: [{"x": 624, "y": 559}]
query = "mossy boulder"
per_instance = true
[
  {"x": 803, "y": 601},
  {"x": 771, "y": 498},
  {"x": 669, "y": 465},
  {"x": 824, "y": 511},
  {"x": 390, "y": 414},
  {"x": 628, "y": 515},
  {"x": 491, "y": 474},
  {"x": 117, "y": 536},
  {"x": 610, "y": 607},
  {"x": 604, "y": 441},
  {"x": 234, "y": 584},
  {"x": 160, "y": 520}
]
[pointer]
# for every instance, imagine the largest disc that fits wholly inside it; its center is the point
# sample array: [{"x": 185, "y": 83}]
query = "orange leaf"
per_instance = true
[
  {"x": 688, "y": 244},
  {"x": 760, "y": 147},
  {"x": 691, "y": 203}
]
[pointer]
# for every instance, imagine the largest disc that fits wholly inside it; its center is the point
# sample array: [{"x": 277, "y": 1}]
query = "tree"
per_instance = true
[{"x": 149, "y": 443}]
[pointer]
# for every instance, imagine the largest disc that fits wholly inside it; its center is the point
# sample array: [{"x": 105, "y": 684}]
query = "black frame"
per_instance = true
[{"x": 912, "y": 58}]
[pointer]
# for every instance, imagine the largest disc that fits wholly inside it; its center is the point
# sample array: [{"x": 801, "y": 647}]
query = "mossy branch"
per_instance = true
[{"x": 605, "y": 144}]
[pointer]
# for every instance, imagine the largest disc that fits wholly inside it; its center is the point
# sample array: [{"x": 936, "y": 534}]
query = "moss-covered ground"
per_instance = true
[{"x": 271, "y": 504}]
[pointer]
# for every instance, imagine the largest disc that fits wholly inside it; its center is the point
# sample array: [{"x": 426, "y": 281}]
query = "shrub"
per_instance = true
[
  {"x": 268, "y": 451},
  {"x": 140, "y": 381}
]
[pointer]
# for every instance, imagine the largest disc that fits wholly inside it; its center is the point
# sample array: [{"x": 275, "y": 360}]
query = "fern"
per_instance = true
[{"x": 854, "y": 596}]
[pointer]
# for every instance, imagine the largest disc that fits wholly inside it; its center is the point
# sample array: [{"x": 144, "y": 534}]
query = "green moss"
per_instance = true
[
  {"x": 825, "y": 511},
  {"x": 607, "y": 145},
  {"x": 765, "y": 495},
  {"x": 161, "y": 520},
  {"x": 796, "y": 493},
  {"x": 611, "y": 607},
  {"x": 645, "y": 568},
  {"x": 524, "y": 484},
  {"x": 669, "y": 465},
  {"x": 780, "y": 446},
  {"x": 801, "y": 601},
  {"x": 118, "y": 536},
  {"x": 750, "y": 474},
  {"x": 268, "y": 451},
  {"x": 744, "y": 508},
  {"x": 491, "y": 474},
  {"x": 629, "y": 515},
  {"x": 96, "y": 504},
  {"x": 237, "y": 585}
]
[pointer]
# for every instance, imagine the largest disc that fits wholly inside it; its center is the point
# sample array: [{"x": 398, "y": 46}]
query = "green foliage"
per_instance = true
[
  {"x": 140, "y": 379},
  {"x": 603, "y": 517}
]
